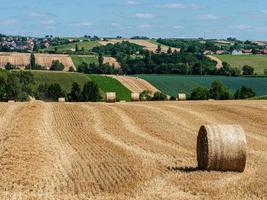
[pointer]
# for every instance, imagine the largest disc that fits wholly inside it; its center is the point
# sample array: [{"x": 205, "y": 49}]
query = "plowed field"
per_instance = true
[{"x": 124, "y": 151}]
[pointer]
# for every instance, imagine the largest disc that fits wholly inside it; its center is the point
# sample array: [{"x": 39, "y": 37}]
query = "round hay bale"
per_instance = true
[
  {"x": 11, "y": 101},
  {"x": 111, "y": 97},
  {"x": 62, "y": 99},
  {"x": 135, "y": 96},
  {"x": 181, "y": 97},
  {"x": 221, "y": 148}
]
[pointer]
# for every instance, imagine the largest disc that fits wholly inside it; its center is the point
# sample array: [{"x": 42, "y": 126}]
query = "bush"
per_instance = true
[
  {"x": 146, "y": 95},
  {"x": 91, "y": 92},
  {"x": 76, "y": 93},
  {"x": 159, "y": 96},
  {"x": 56, "y": 66},
  {"x": 265, "y": 72},
  {"x": 54, "y": 92},
  {"x": 172, "y": 98},
  {"x": 244, "y": 93},
  {"x": 248, "y": 70},
  {"x": 200, "y": 93},
  {"x": 9, "y": 66},
  {"x": 219, "y": 92}
]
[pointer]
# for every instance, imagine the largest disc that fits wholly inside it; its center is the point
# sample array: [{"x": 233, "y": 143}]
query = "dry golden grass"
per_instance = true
[
  {"x": 134, "y": 84},
  {"x": 21, "y": 60},
  {"x": 124, "y": 151},
  {"x": 112, "y": 61}
]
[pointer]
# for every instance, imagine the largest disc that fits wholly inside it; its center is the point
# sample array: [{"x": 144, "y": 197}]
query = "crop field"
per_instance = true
[
  {"x": 147, "y": 44},
  {"x": 144, "y": 151},
  {"x": 171, "y": 84},
  {"x": 135, "y": 85},
  {"x": 109, "y": 84},
  {"x": 87, "y": 45},
  {"x": 21, "y": 60},
  {"x": 79, "y": 59},
  {"x": 64, "y": 79},
  {"x": 259, "y": 62}
]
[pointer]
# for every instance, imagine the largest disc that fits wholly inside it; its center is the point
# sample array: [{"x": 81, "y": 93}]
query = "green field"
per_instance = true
[
  {"x": 87, "y": 45},
  {"x": 259, "y": 62},
  {"x": 171, "y": 84},
  {"x": 78, "y": 60},
  {"x": 65, "y": 79},
  {"x": 108, "y": 84}
]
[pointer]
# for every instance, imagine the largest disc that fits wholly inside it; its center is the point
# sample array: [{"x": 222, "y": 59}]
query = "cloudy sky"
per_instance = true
[{"x": 244, "y": 19}]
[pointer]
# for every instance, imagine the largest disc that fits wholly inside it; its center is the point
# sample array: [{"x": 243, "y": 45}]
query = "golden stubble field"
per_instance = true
[{"x": 124, "y": 151}]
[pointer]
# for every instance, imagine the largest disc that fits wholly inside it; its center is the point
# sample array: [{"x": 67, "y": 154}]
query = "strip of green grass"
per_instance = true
[
  {"x": 108, "y": 84},
  {"x": 87, "y": 45},
  {"x": 78, "y": 60},
  {"x": 259, "y": 62},
  {"x": 64, "y": 79}
]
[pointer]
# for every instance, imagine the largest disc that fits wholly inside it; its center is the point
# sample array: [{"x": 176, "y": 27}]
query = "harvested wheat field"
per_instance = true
[
  {"x": 134, "y": 84},
  {"x": 72, "y": 151},
  {"x": 112, "y": 61},
  {"x": 17, "y": 59},
  {"x": 47, "y": 59},
  {"x": 23, "y": 59},
  {"x": 145, "y": 43}
]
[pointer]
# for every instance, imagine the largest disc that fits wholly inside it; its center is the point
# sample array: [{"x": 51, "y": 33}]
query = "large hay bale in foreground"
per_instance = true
[
  {"x": 222, "y": 148},
  {"x": 181, "y": 97},
  {"x": 135, "y": 96},
  {"x": 62, "y": 99},
  {"x": 110, "y": 97}
]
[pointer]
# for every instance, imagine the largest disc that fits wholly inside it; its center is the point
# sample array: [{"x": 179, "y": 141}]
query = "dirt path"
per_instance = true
[
  {"x": 124, "y": 151},
  {"x": 112, "y": 61},
  {"x": 135, "y": 84},
  {"x": 219, "y": 64}
]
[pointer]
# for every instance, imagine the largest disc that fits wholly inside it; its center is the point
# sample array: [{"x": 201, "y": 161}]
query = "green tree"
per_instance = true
[
  {"x": 169, "y": 50},
  {"x": 56, "y": 66},
  {"x": 219, "y": 92},
  {"x": 2, "y": 89},
  {"x": 100, "y": 59},
  {"x": 42, "y": 92},
  {"x": 159, "y": 96},
  {"x": 146, "y": 95},
  {"x": 91, "y": 92},
  {"x": 9, "y": 66},
  {"x": 158, "y": 50},
  {"x": 32, "y": 61},
  {"x": 200, "y": 93},
  {"x": 13, "y": 87},
  {"x": 76, "y": 48},
  {"x": 54, "y": 92},
  {"x": 244, "y": 93},
  {"x": 248, "y": 70},
  {"x": 265, "y": 72},
  {"x": 75, "y": 94}
]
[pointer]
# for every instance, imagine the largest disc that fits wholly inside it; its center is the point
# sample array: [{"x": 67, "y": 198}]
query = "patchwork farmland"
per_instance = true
[{"x": 124, "y": 151}]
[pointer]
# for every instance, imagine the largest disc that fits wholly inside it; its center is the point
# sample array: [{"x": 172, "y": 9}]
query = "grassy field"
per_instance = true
[
  {"x": 78, "y": 60},
  {"x": 87, "y": 45},
  {"x": 108, "y": 84},
  {"x": 65, "y": 79},
  {"x": 171, "y": 84},
  {"x": 259, "y": 62}
]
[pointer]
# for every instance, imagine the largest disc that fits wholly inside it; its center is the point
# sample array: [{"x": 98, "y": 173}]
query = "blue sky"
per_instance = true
[{"x": 244, "y": 19}]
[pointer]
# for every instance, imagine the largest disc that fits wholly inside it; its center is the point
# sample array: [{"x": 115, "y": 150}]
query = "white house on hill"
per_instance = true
[{"x": 237, "y": 52}]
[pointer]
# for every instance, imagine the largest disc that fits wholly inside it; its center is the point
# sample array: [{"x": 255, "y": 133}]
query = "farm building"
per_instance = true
[{"x": 237, "y": 52}]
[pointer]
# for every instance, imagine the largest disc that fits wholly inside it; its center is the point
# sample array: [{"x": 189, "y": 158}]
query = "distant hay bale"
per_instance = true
[
  {"x": 11, "y": 101},
  {"x": 135, "y": 96},
  {"x": 110, "y": 97},
  {"x": 122, "y": 101},
  {"x": 181, "y": 97},
  {"x": 62, "y": 99},
  {"x": 221, "y": 148}
]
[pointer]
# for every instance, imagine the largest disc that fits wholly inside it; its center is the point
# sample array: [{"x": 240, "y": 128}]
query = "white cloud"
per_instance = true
[
  {"x": 35, "y": 14},
  {"x": 132, "y": 2},
  {"x": 241, "y": 27},
  {"x": 8, "y": 21},
  {"x": 144, "y": 15},
  {"x": 208, "y": 17},
  {"x": 48, "y": 22},
  {"x": 178, "y": 27},
  {"x": 173, "y": 6},
  {"x": 82, "y": 24},
  {"x": 145, "y": 26}
]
